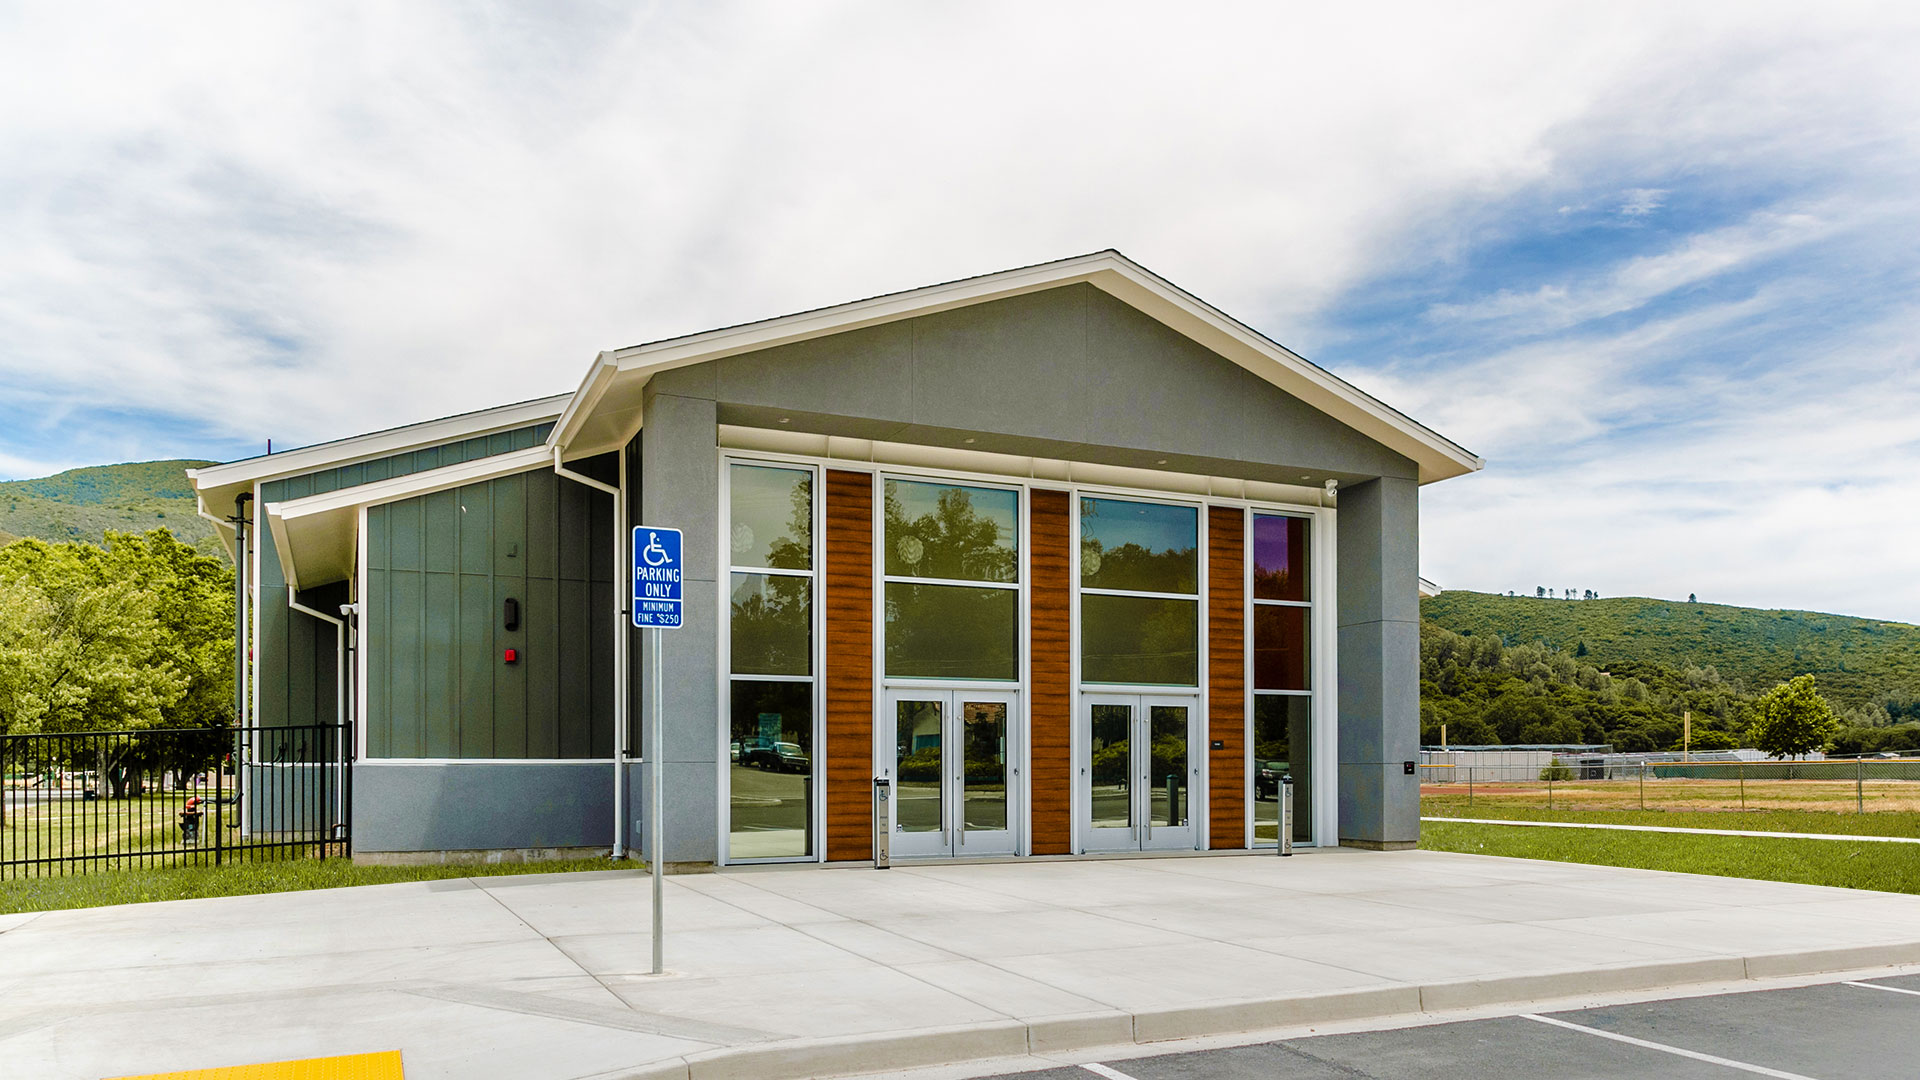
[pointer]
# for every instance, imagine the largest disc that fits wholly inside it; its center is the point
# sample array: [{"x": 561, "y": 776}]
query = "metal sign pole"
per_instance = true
[
  {"x": 658, "y": 605},
  {"x": 656, "y": 849}
]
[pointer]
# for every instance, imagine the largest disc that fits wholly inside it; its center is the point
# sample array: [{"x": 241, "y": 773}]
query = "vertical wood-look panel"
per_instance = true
[
  {"x": 1050, "y": 714},
  {"x": 1227, "y": 676},
  {"x": 848, "y": 558}
]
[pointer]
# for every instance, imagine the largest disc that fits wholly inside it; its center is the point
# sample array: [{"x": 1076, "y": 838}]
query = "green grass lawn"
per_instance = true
[
  {"x": 1847, "y": 864},
  {"x": 285, "y": 875},
  {"x": 1886, "y": 823}
]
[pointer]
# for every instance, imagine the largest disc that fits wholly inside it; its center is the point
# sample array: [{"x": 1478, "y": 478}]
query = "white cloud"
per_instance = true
[
  {"x": 303, "y": 221},
  {"x": 1639, "y": 202}
]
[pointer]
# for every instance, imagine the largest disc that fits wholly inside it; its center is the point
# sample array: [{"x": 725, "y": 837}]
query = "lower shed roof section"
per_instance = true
[{"x": 315, "y": 537}]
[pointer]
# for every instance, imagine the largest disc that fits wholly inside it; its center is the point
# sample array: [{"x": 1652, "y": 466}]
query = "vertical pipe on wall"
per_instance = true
[
  {"x": 240, "y": 563},
  {"x": 622, "y": 585},
  {"x": 339, "y": 688},
  {"x": 622, "y": 638}
]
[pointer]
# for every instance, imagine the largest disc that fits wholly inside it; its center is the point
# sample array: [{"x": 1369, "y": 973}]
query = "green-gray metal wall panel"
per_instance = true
[{"x": 440, "y": 569}]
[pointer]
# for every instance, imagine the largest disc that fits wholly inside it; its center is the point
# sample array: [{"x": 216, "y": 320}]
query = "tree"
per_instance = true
[
  {"x": 1793, "y": 719},
  {"x": 1557, "y": 771},
  {"x": 1693, "y": 598},
  {"x": 1540, "y": 592}
]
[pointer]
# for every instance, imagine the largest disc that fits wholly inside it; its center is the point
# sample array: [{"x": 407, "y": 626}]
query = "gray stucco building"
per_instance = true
[{"x": 1075, "y": 561}]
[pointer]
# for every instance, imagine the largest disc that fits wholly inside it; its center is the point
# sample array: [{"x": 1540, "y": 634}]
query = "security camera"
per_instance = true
[{"x": 1333, "y": 486}]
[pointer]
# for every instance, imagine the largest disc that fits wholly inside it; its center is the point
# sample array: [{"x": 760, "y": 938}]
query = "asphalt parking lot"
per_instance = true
[{"x": 1834, "y": 1031}]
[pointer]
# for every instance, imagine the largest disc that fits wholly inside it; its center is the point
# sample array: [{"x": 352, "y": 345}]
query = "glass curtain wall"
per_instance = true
[
  {"x": 952, "y": 581},
  {"x": 1139, "y": 593},
  {"x": 1282, "y": 673},
  {"x": 770, "y": 742}
]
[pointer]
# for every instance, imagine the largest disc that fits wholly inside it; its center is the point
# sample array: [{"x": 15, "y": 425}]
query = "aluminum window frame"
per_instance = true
[{"x": 816, "y": 654}]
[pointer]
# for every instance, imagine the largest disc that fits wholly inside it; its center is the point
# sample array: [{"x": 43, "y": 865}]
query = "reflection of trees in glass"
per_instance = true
[
  {"x": 1141, "y": 640},
  {"x": 794, "y": 551},
  {"x": 772, "y": 625},
  {"x": 955, "y": 540},
  {"x": 951, "y": 631},
  {"x": 760, "y": 536},
  {"x": 1134, "y": 568}
]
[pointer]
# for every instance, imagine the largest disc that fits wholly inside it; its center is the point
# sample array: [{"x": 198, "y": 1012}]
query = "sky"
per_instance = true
[{"x": 1656, "y": 263}]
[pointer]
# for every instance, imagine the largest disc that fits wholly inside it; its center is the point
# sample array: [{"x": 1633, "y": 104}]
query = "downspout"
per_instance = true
[
  {"x": 242, "y": 538},
  {"x": 339, "y": 683},
  {"x": 619, "y": 643}
]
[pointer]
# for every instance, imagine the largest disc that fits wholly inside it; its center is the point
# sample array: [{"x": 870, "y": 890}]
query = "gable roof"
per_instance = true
[{"x": 606, "y": 411}]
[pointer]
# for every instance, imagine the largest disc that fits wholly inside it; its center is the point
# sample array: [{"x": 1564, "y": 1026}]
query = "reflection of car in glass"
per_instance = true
[
  {"x": 788, "y": 757},
  {"x": 758, "y": 752},
  {"x": 1266, "y": 779},
  {"x": 733, "y": 750}
]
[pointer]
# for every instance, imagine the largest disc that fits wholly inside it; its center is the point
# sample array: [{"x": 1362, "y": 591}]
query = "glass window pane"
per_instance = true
[
  {"x": 1139, "y": 547},
  {"x": 1282, "y": 746},
  {"x": 952, "y": 531},
  {"x": 983, "y": 726},
  {"x": 1112, "y": 761},
  {"x": 951, "y": 632},
  {"x": 771, "y": 761},
  {"x": 772, "y": 517},
  {"x": 1168, "y": 798},
  {"x": 1280, "y": 648},
  {"x": 1139, "y": 639},
  {"x": 772, "y": 624},
  {"x": 920, "y": 793},
  {"x": 1279, "y": 558}
]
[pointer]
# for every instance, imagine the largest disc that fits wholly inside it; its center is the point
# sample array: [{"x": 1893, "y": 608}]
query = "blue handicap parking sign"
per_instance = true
[{"x": 657, "y": 578}]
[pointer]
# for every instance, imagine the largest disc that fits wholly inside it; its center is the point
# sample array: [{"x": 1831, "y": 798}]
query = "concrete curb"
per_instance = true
[{"x": 797, "y": 1059}]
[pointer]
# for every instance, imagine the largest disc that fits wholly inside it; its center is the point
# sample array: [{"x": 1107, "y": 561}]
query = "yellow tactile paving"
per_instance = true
[{"x": 381, "y": 1066}]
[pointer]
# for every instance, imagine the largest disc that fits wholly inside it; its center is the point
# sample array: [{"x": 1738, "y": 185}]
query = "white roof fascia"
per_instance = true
[
  {"x": 378, "y": 444},
  {"x": 1437, "y": 457},
  {"x": 580, "y": 405},
  {"x": 319, "y": 532}
]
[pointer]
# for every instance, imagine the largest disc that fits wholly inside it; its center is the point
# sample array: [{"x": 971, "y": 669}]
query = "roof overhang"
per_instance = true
[
  {"x": 317, "y": 537},
  {"x": 606, "y": 411},
  {"x": 217, "y": 486}
]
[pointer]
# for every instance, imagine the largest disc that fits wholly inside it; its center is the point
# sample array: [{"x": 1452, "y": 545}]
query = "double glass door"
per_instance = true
[
  {"x": 952, "y": 765},
  {"x": 1138, "y": 772}
]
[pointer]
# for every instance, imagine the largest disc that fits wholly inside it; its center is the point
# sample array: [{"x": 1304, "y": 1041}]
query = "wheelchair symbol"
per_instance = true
[{"x": 653, "y": 554}]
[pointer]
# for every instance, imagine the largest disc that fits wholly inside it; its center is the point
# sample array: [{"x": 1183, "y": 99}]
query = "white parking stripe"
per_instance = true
[
  {"x": 1888, "y": 989},
  {"x": 1759, "y": 1070},
  {"x": 1098, "y": 1069}
]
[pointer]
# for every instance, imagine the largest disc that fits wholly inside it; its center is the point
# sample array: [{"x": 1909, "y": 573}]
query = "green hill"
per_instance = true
[
  {"x": 1855, "y": 660},
  {"x": 83, "y": 504}
]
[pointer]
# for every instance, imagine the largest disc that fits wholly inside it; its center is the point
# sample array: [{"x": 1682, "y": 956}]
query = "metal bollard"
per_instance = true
[
  {"x": 882, "y": 822},
  {"x": 1285, "y": 834}
]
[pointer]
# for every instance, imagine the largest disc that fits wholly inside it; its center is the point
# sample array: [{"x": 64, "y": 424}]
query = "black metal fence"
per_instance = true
[{"x": 79, "y": 802}]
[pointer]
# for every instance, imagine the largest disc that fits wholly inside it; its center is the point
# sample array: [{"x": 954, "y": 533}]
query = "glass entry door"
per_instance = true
[
  {"x": 1137, "y": 772},
  {"x": 953, "y": 772}
]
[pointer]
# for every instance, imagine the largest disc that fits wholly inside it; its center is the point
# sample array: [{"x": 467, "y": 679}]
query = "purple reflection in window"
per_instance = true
[{"x": 1279, "y": 558}]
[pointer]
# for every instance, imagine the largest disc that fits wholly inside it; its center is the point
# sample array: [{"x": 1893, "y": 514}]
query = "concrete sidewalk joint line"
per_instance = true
[
  {"x": 1758, "y": 1070},
  {"x": 1677, "y": 829},
  {"x": 1098, "y": 1069},
  {"x": 1888, "y": 989}
]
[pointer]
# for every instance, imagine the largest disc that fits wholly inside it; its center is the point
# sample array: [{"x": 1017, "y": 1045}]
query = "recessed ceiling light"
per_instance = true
[
  {"x": 1306, "y": 478},
  {"x": 969, "y": 441},
  {"x": 1161, "y": 461},
  {"x": 786, "y": 419}
]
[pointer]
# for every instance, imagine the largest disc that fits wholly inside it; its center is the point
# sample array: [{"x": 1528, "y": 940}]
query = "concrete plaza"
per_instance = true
[{"x": 806, "y": 972}]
